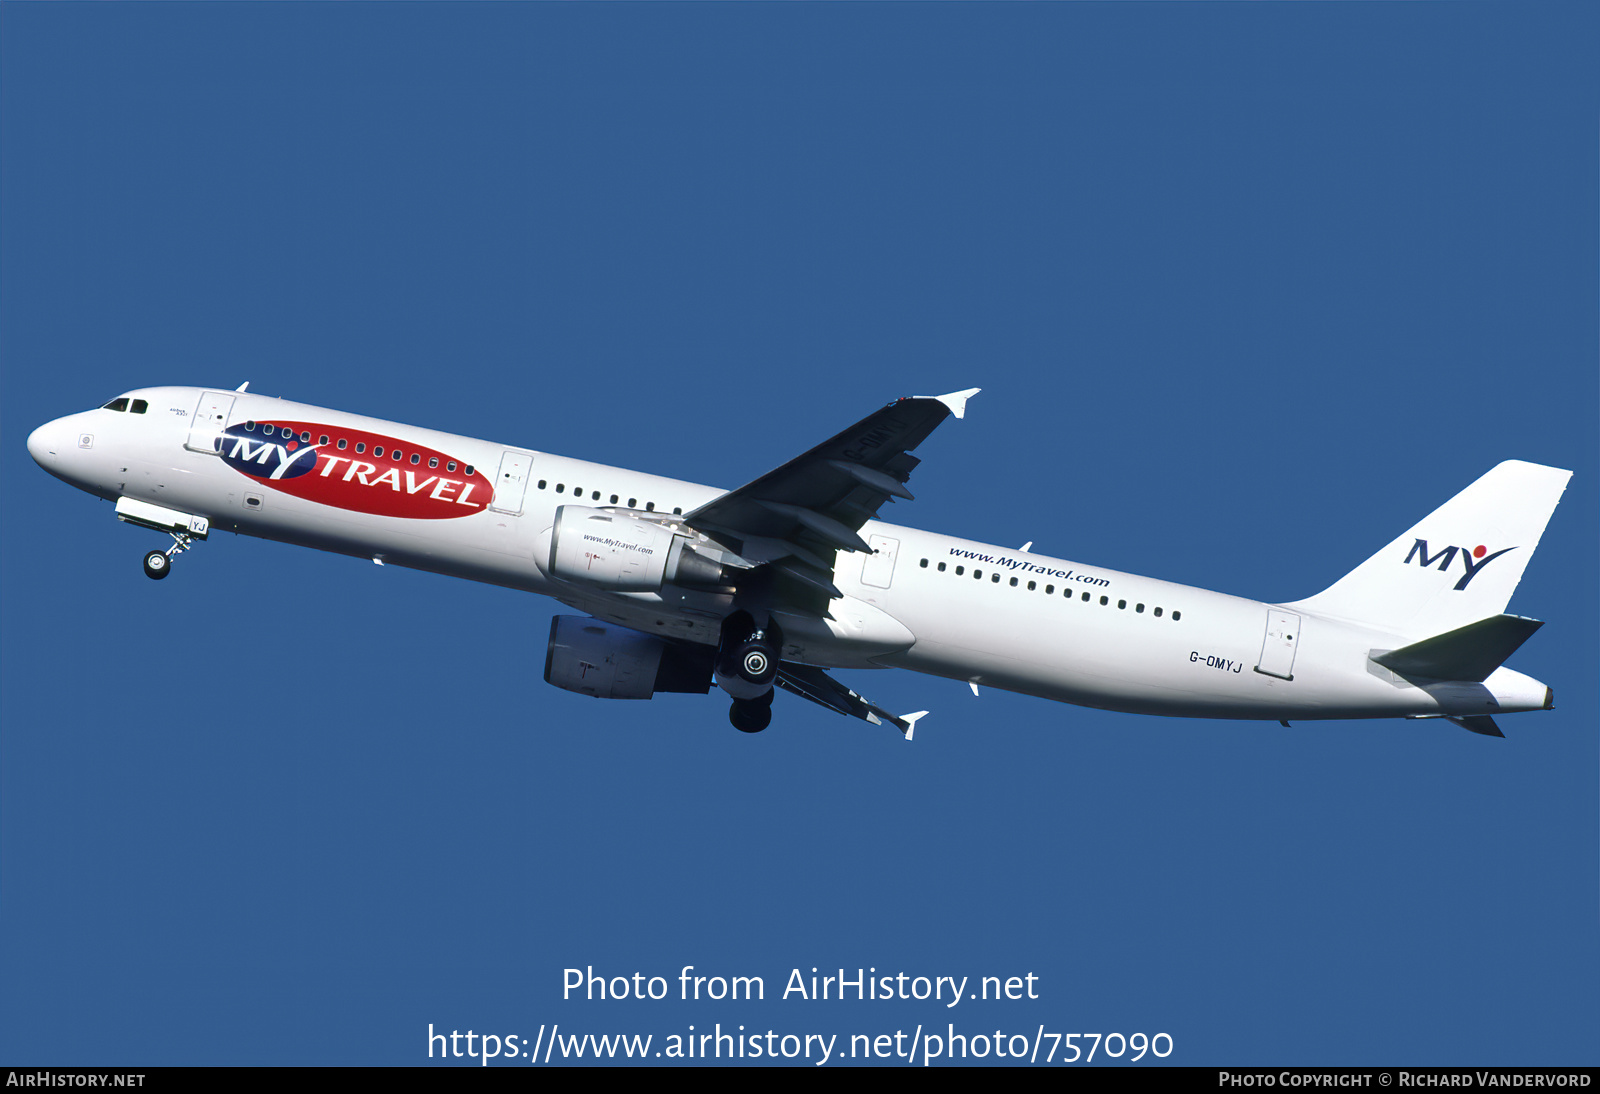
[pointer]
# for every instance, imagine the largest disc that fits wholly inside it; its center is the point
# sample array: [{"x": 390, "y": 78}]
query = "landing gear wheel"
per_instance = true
[
  {"x": 157, "y": 565},
  {"x": 751, "y": 716}
]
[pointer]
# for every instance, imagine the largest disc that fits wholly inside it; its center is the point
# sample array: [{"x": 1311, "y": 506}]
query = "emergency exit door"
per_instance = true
[
  {"x": 878, "y": 569},
  {"x": 511, "y": 482}
]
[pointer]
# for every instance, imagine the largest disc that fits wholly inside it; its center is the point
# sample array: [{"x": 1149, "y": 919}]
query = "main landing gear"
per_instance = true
[
  {"x": 158, "y": 564},
  {"x": 751, "y": 715},
  {"x": 747, "y": 668}
]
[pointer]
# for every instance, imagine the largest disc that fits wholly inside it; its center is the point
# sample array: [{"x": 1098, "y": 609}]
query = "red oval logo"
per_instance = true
[{"x": 370, "y": 473}]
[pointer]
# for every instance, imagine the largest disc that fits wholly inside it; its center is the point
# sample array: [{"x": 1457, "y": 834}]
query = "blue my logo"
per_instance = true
[
  {"x": 266, "y": 459},
  {"x": 1475, "y": 559}
]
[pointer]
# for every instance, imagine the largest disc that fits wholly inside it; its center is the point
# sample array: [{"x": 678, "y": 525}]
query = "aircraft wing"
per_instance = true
[
  {"x": 812, "y": 683},
  {"x": 797, "y": 516}
]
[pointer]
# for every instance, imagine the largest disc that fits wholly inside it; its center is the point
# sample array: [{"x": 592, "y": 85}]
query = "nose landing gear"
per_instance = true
[
  {"x": 158, "y": 564},
  {"x": 184, "y": 528}
]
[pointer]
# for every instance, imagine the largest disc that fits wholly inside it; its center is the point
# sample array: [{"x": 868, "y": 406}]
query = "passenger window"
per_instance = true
[
  {"x": 596, "y": 496},
  {"x": 120, "y": 405},
  {"x": 1032, "y": 586},
  {"x": 1138, "y": 607},
  {"x": 1122, "y": 604},
  {"x": 941, "y": 567},
  {"x": 649, "y": 507},
  {"x": 959, "y": 570},
  {"x": 541, "y": 484},
  {"x": 342, "y": 444},
  {"x": 633, "y": 503},
  {"x": 977, "y": 575},
  {"x": 306, "y": 437},
  {"x": 324, "y": 439},
  {"x": 613, "y": 499},
  {"x": 467, "y": 471},
  {"x": 433, "y": 461},
  {"x": 415, "y": 458},
  {"x": 1104, "y": 600},
  {"x": 396, "y": 456},
  {"x": 924, "y": 564},
  {"x": 561, "y": 488},
  {"x": 1049, "y": 590},
  {"x": 361, "y": 446},
  {"x": 677, "y": 510},
  {"x": 1086, "y": 598},
  {"x": 1158, "y": 613},
  {"x": 451, "y": 466},
  {"x": 577, "y": 492},
  {"x": 1176, "y": 616},
  {"x": 249, "y": 427},
  {"x": 139, "y": 407},
  {"x": 377, "y": 450},
  {"x": 1013, "y": 581},
  {"x": 995, "y": 578}
]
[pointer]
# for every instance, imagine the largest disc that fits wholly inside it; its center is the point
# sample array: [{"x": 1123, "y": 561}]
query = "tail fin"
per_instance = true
[{"x": 1460, "y": 564}]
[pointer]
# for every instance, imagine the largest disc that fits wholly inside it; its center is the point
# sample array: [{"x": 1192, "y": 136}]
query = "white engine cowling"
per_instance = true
[
  {"x": 615, "y": 551},
  {"x": 606, "y": 661}
]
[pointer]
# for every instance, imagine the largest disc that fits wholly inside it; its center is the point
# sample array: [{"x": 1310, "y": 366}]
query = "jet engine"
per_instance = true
[
  {"x": 625, "y": 554},
  {"x": 606, "y": 661}
]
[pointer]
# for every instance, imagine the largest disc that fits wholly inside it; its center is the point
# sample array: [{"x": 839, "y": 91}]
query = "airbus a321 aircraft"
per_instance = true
[{"x": 771, "y": 585}]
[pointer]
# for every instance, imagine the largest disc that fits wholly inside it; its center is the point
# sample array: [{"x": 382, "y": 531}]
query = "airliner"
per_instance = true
[{"x": 788, "y": 578}]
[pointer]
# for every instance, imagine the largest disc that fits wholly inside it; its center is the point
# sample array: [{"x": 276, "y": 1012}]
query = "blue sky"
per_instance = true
[{"x": 1249, "y": 290}]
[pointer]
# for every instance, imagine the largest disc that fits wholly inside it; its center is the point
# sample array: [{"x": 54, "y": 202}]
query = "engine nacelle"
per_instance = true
[
  {"x": 606, "y": 661},
  {"x": 616, "y": 551}
]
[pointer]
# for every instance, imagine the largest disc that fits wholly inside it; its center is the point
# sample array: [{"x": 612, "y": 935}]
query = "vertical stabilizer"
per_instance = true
[{"x": 1460, "y": 564}]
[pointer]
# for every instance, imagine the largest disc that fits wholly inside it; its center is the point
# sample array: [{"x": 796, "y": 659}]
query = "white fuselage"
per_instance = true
[{"x": 931, "y": 603}]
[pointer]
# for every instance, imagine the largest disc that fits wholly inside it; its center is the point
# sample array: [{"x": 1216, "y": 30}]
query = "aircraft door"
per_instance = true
[
  {"x": 878, "y": 569},
  {"x": 511, "y": 483},
  {"x": 1277, "y": 649},
  {"x": 210, "y": 419}
]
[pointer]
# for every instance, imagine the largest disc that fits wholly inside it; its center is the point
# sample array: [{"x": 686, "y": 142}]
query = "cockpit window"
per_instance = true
[
  {"x": 139, "y": 407},
  {"x": 117, "y": 404}
]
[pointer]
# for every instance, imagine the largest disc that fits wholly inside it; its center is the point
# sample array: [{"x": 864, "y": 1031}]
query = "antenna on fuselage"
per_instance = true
[{"x": 242, "y": 386}]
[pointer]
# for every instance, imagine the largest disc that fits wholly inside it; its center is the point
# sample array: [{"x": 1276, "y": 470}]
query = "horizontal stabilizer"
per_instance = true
[
  {"x": 1466, "y": 653},
  {"x": 1479, "y": 723}
]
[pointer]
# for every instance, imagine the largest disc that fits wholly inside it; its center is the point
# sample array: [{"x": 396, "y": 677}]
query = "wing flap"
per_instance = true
[{"x": 810, "y": 682}]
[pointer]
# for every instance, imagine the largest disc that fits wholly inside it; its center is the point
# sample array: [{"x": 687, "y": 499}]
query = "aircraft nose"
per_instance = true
[{"x": 43, "y": 444}]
